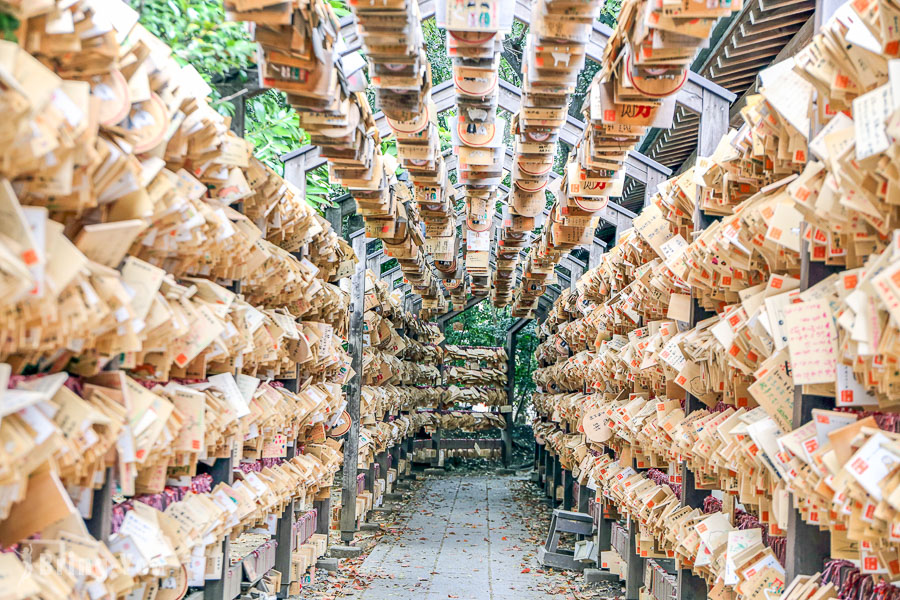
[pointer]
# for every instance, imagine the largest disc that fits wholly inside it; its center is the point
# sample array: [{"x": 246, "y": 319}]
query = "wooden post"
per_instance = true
[
  {"x": 383, "y": 468},
  {"x": 654, "y": 178},
  {"x": 284, "y": 535},
  {"x": 436, "y": 445},
  {"x": 323, "y": 515},
  {"x": 807, "y": 547},
  {"x": 351, "y": 445},
  {"x": 370, "y": 479},
  {"x": 548, "y": 472},
  {"x": 690, "y": 586},
  {"x": 238, "y": 121},
  {"x": 713, "y": 125},
  {"x": 395, "y": 460},
  {"x": 596, "y": 253},
  {"x": 221, "y": 471},
  {"x": 584, "y": 499},
  {"x": 542, "y": 463},
  {"x": 557, "y": 477},
  {"x": 333, "y": 216},
  {"x": 713, "y": 122},
  {"x": 604, "y": 529},
  {"x": 404, "y": 456},
  {"x": 568, "y": 484},
  {"x": 634, "y": 565},
  {"x": 100, "y": 523},
  {"x": 410, "y": 450},
  {"x": 512, "y": 337}
]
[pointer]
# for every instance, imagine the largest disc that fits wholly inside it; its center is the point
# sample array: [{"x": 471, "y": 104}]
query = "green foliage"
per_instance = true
[
  {"x": 319, "y": 191},
  {"x": 388, "y": 265},
  {"x": 511, "y": 57},
  {"x": 340, "y": 8},
  {"x": 609, "y": 12},
  {"x": 436, "y": 47},
  {"x": 487, "y": 325},
  {"x": 445, "y": 121},
  {"x": 576, "y": 102},
  {"x": 224, "y": 53},
  {"x": 198, "y": 34},
  {"x": 274, "y": 128},
  {"x": 389, "y": 148},
  {"x": 8, "y": 26},
  {"x": 562, "y": 157}
]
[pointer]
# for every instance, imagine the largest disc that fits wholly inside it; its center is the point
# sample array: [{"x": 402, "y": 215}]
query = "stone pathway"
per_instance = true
[{"x": 462, "y": 536}]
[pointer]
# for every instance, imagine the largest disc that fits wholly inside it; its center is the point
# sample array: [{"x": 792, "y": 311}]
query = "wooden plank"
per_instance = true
[
  {"x": 713, "y": 124},
  {"x": 800, "y": 39},
  {"x": 783, "y": 27},
  {"x": 774, "y": 4},
  {"x": 751, "y": 38},
  {"x": 354, "y": 389},
  {"x": 634, "y": 576},
  {"x": 741, "y": 67},
  {"x": 650, "y": 188},
  {"x": 764, "y": 16},
  {"x": 731, "y": 51},
  {"x": 739, "y": 81}
]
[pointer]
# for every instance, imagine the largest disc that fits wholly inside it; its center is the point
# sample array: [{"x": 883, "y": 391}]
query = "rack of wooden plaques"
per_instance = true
[
  {"x": 294, "y": 527},
  {"x": 807, "y": 547},
  {"x": 436, "y": 445}
]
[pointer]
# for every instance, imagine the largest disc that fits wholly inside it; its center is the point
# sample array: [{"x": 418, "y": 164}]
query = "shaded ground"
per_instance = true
[{"x": 472, "y": 536}]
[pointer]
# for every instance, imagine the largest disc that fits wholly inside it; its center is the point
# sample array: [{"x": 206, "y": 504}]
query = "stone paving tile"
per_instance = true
[{"x": 461, "y": 537}]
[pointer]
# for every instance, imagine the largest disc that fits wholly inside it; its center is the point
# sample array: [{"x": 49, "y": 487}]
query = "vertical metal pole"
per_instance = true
[
  {"x": 370, "y": 479},
  {"x": 284, "y": 533},
  {"x": 395, "y": 460},
  {"x": 351, "y": 445}
]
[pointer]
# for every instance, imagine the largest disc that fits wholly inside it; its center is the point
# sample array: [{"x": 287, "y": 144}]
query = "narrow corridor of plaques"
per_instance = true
[{"x": 471, "y": 536}]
